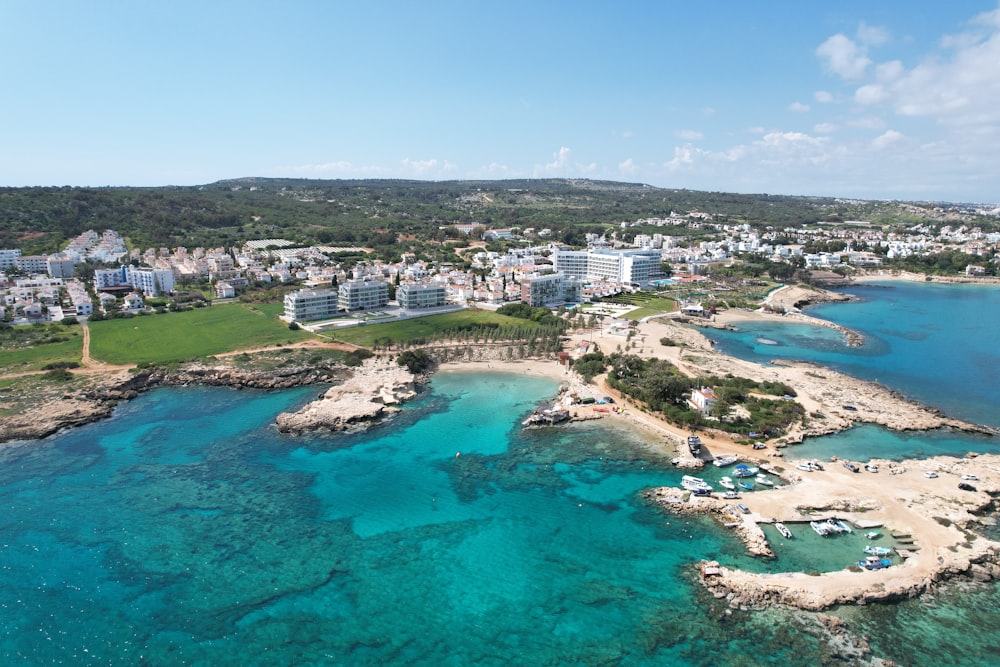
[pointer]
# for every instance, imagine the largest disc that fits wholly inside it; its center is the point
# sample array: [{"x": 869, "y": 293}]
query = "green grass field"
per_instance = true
[
  {"x": 32, "y": 359},
  {"x": 196, "y": 333},
  {"x": 27, "y": 352},
  {"x": 424, "y": 327}
]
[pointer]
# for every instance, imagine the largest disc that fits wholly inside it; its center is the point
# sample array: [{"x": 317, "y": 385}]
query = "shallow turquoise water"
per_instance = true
[{"x": 186, "y": 530}]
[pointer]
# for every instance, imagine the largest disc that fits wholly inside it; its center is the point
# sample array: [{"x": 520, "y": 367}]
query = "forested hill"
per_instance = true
[{"x": 380, "y": 212}]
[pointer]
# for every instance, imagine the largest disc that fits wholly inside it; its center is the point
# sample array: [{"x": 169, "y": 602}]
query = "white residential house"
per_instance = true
[
  {"x": 224, "y": 290},
  {"x": 132, "y": 302},
  {"x": 702, "y": 399}
]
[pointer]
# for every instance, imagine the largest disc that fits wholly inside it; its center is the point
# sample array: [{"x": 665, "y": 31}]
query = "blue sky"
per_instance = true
[{"x": 849, "y": 98}]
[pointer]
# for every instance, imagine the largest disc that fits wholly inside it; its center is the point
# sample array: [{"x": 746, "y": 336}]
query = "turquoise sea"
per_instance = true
[{"x": 186, "y": 531}]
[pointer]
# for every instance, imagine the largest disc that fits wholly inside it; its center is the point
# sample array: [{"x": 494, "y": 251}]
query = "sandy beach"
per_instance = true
[{"x": 899, "y": 497}]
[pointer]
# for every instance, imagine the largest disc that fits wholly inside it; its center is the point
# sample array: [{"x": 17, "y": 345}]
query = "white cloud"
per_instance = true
[
  {"x": 689, "y": 135},
  {"x": 561, "y": 166},
  {"x": 871, "y": 93},
  {"x": 627, "y": 167},
  {"x": 823, "y": 97},
  {"x": 494, "y": 170},
  {"x": 561, "y": 157},
  {"x": 798, "y": 107},
  {"x": 843, "y": 57},
  {"x": 886, "y": 138},
  {"x": 872, "y": 35},
  {"x": 825, "y": 128},
  {"x": 868, "y": 123},
  {"x": 419, "y": 166}
]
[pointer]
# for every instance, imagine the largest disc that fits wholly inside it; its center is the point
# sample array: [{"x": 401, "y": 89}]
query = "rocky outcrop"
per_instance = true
[
  {"x": 99, "y": 401},
  {"x": 374, "y": 392}
]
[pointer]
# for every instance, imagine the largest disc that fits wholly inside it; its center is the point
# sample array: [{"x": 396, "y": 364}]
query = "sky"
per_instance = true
[{"x": 847, "y": 98}]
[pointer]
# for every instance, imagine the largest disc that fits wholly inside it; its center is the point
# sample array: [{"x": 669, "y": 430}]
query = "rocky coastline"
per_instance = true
[
  {"x": 98, "y": 401},
  {"x": 373, "y": 392}
]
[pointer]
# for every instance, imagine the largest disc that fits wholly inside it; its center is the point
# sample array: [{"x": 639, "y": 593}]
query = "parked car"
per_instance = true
[
  {"x": 966, "y": 487},
  {"x": 970, "y": 477},
  {"x": 743, "y": 508}
]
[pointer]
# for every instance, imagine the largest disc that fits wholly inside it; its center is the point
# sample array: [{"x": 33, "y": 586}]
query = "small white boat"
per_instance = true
[
  {"x": 783, "y": 529},
  {"x": 873, "y": 535},
  {"x": 727, "y": 483},
  {"x": 766, "y": 481},
  {"x": 726, "y": 460},
  {"x": 877, "y": 551},
  {"x": 820, "y": 527},
  {"x": 695, "y": 483}
]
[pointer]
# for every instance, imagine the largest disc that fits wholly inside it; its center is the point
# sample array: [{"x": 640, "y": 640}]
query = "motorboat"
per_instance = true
[
  {"x": 873, "y": 535},
  {"x": 695, "y": 483},
  {"x": 743, "y": 470},
  {"x": 821, "y": 527},
  {"x": 727, "y": 483},
  {"x": 877, "y": 551},
  {"x": 783, "y": 529},
  {"x": 766, "y": 481},
  {"x": 744, "y": 485},
  {"x": 874, "y": 563},
  {"x": 726, "y": 460},
  {"x": 842, "y": 526}
]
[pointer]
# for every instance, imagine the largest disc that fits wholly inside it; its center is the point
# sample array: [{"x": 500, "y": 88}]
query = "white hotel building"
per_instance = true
[{"x": 622, "y": 266}]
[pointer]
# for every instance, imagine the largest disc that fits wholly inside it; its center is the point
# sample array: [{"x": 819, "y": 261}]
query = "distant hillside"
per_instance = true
[{"x": 379, "y": 212}]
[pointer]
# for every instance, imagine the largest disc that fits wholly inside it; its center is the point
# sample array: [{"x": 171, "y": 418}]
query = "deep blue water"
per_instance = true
[
  {"x": 186, "y": 530},
  {"x": 935, "y": 344}
]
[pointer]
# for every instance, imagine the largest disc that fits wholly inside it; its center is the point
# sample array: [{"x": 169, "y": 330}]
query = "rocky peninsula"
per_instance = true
[
  {"x": 941, "y": 523},
  {"x": 372, "y": 392}
]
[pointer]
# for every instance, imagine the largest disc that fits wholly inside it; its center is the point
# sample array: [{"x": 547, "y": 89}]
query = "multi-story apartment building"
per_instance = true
[
  {"x": 8, "y": 257},
  {"x": 412, "y": 296},
  {"x": 33, "y": 263},
  {"x": 549, "y": 290},
  {"x": 362, "y": 295},
  {"x": 152, "y": 282},
  {"x": 310, "y": 304}
]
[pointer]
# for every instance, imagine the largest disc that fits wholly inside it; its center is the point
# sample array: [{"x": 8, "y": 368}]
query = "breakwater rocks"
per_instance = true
[
  {"x": 684, "y": 502},
  {"x": 749, "y": 591},
  {"x": 372, "y": 393}
]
